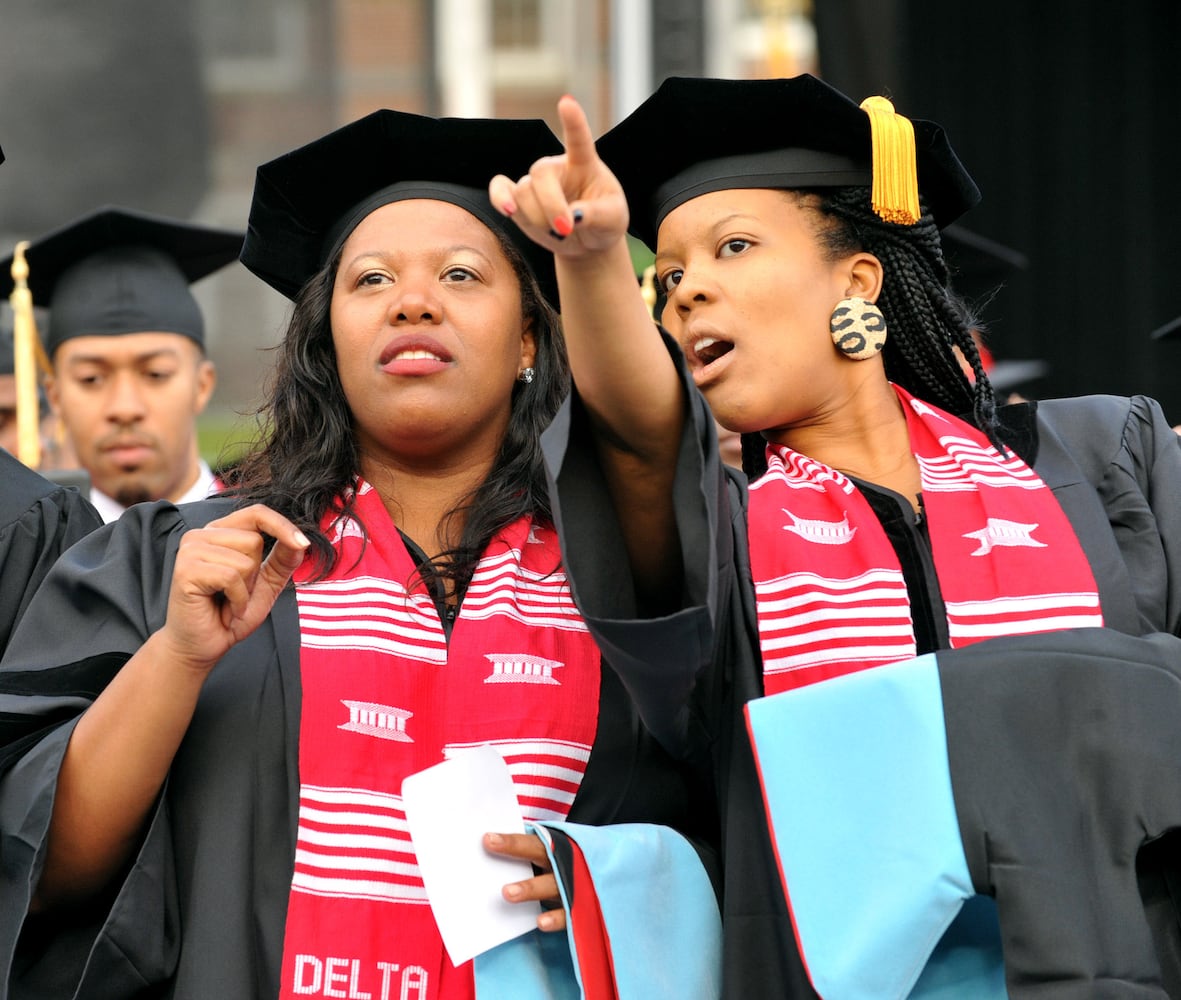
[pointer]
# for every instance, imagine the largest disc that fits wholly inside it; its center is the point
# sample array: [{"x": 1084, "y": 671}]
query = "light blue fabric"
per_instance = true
[
  {"x": 858, "y": 791},
  {"x": 969, "y": 960},
  {"x": 535, "y": 966},
  {"x": 661, "y": 917}
]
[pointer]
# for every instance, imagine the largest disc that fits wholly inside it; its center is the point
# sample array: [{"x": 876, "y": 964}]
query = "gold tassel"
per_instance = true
[
  {"x": 895, "y": 165},
  {"x": 28, "y": 356},
  {"x": 648, "y": 289}
]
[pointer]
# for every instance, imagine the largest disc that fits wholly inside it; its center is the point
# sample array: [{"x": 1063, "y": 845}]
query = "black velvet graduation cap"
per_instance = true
[
  {"x": 979, "y": 267},
  {"x": 1005, "y": 376},
  {"x": 308, "y": 201},
  {"x": 695, "y": 135},
  {"x": 116, "y": 271},
  {"x": 1170, "y": 329}
]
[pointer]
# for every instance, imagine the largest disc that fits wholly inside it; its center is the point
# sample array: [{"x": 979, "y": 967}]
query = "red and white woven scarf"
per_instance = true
[
  {"x": 830, "y": 592},
  {"x": 384, "y": 696}
]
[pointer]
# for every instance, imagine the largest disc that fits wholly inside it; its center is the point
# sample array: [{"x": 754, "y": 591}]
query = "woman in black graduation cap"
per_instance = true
[
  {"x": 994, "y": 566},
  {"x": 229, "y": 808}
]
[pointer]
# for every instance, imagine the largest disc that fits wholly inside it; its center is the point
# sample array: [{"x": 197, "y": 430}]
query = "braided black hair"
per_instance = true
[{"x": 925, "y": 319}]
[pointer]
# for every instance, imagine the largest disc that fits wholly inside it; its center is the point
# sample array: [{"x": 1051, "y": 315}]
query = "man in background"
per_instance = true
[{"x": 126, "y": 341}]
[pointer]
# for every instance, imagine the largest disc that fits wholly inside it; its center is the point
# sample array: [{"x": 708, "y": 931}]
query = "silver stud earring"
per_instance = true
[{"x": 525, "y": 376}]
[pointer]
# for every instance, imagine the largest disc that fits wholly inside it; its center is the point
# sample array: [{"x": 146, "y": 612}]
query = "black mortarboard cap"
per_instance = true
[
  {"x": 696, "y": 135},
  {"x": 1170, "y": 329},
  {"x": 307, "y": 201},
  {"x": 116, "y": 271},
  {"x": 1005, "y": 376},
  {"x": 978, "y": 265}
]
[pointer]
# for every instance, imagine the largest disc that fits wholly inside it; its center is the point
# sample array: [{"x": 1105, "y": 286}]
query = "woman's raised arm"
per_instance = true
[{"x": 573, "y": 205}]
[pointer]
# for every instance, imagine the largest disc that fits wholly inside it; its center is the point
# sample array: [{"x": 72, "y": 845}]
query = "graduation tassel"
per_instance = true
[
  {"x": 895, "y": 192},
  {"x": 648, "y": 289},
  {"x": 25, "y": 345}
]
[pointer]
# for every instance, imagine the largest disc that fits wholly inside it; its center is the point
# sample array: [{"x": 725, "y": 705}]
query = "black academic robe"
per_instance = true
[
  {"x": 200, "y": 914},
  {"x": 1115, "y": 466},
  {"x": 39, "y": 520}
]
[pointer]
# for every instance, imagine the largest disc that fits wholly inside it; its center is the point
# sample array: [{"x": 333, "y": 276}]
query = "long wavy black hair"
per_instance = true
[
  {"x": 305, "y": 459},
  {"x": 925, "y": 320}
]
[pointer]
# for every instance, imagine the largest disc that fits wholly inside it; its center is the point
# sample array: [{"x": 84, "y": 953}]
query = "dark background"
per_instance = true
[{"x": 1069, "y": 118}]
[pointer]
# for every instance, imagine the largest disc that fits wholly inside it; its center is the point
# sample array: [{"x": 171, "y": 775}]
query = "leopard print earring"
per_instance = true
[{"x": 858, "y": 329}]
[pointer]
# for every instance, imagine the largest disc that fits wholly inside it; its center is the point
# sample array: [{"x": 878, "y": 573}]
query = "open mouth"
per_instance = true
[{"x": 707, "y": 350}]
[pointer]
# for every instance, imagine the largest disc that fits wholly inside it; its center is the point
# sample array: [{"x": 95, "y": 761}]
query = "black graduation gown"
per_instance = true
[
  {"x": 39, "y": 520},
  {"x": 200, "y": 914},
  {"x": 1113, "y": 463}
]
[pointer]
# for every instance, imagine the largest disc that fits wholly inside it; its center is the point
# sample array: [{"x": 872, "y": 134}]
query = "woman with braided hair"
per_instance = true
[
  {"x": 933, "y": 646},
  {"x": 927, "y": 316}
]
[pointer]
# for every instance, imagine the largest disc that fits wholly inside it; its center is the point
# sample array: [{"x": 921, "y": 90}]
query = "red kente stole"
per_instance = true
[
  {"x": 384, "y": 696},
  {"x": 830, "y": 592}
]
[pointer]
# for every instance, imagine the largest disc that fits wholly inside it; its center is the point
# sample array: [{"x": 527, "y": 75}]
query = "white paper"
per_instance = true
[{"x": 449, "y": 807}]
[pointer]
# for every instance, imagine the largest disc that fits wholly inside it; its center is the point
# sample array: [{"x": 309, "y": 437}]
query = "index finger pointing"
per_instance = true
[{"x": 576, "y": 133}]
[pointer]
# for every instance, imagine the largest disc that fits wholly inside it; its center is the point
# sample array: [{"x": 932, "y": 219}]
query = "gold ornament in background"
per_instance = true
[
  {"x": 28, "y": 359},
  {"x": 648, "y": 289}
]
